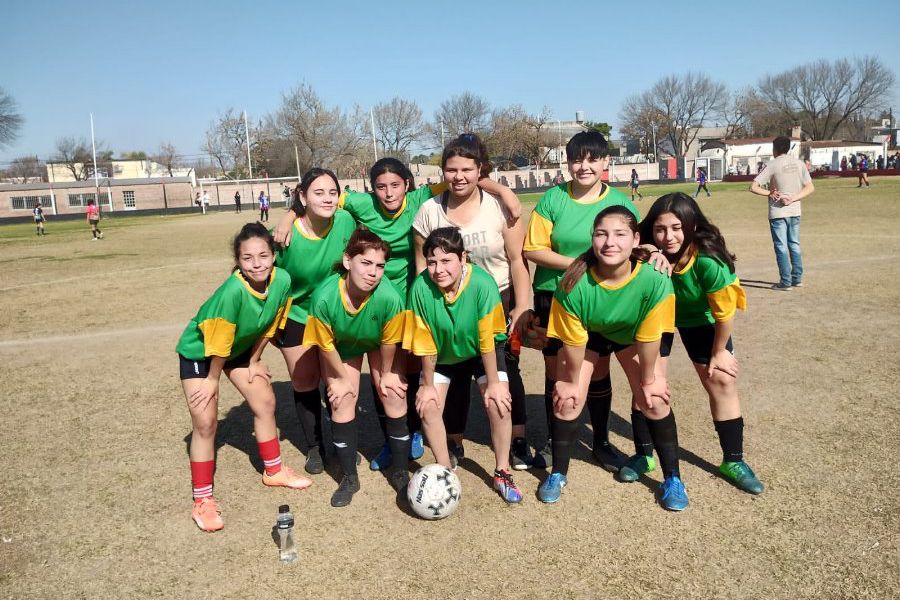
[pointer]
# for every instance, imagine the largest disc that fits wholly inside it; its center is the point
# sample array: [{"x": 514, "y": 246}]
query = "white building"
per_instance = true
[
  {"x": 827, "y": 154},
  {"x": 741, "y": 154}
]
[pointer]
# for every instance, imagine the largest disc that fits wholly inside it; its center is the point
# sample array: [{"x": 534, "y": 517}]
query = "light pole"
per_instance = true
[{"x": 653, "y": 129}]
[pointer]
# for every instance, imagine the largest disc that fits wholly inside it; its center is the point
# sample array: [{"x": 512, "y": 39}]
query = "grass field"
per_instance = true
[{"x": 95, "y": 487}]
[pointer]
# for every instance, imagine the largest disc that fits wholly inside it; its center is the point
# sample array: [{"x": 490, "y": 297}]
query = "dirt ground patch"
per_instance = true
[{"x": 95, "y": 486}]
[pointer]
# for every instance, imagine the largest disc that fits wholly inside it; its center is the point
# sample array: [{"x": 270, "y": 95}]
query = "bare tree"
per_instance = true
[
  {"x": 517, "y": 133},
  {"x": 398, "y": 124},
  {"x": 25, "y": 169},
  {"x": 10, "y": 119},
  {"x": 167, "y": 156},
  {"x": 226, "y": 143},
  {"x": 75, "y": 155},
  {"x": 676, "y": 106},
  {"x": 821, "y": 96},
  {"x": 465, "y": 113}
]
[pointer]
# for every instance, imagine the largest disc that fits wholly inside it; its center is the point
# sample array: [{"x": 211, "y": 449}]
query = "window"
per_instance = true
[
  {"x": 79, "y": 200},
  {"x": 28, "y": 202},
  {"x": 128, "y": 199}
]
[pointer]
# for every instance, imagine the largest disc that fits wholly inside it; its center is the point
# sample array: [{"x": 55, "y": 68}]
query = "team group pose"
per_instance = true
[{"x": 430, "y": 283}]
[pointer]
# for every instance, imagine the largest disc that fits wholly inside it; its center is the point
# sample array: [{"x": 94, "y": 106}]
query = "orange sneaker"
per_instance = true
[
  {"x": 206, "y": 514},
  {"x": 286, "y": 478}
]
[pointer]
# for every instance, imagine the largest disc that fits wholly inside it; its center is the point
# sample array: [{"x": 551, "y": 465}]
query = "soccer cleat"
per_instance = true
[
  {"x": 343, "y": 495},
  {"x": 399, "y": 479},
  {"x": 520, "y": 455},
  {"x": 551, "y": 489},
  {"x": 416, "y": 446},
  {"x": 741, "y": 476},
  {"x": 314, "y": 463},
  {"x": 100, "y": 235},
  {"x": 672, "y": 494},
  {"x": 798, "y": 284},
  {"x": 457, "y": 453},
  {"x": 543, "y": 459},
  {"x": 607, "y": 456},
  {"x": 383, "y": 460},
  {"x": 286, "y": 477},
  {"x": 636, "y": 466},
  {"x": 506, "y": 487},
  {"x": 781, "y": 287},
  {"x": 206, "y": 514}
]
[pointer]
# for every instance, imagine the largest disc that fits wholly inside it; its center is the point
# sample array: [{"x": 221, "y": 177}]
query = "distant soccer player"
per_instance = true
[
  {"x": 38, "y": 213},
  {"x": 863, "y": 174},
  {"x": 353, "y": 314},
  {"x": 456, "y": 325},
  {"x": 263, "y": 207},
  {"x": 701, "y": 182},
  {"x": 92, "y": 213},
  {"x": 707, "y": 296},
  {"x": 229, "y": 334},
  {"x": 610, "y": 301},
  {"x": 635, "y": 184}
]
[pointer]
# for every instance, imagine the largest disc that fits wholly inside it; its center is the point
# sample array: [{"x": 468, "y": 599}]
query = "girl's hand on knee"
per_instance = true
[
  {"x": 392, "y": 385},
  {"x": 723, "y": 361},
  {"x": 498, "y": 395},
  {"x": 338, "y": 391},
  {"x": 565, "y": 396},
  {"x": 426, "y": 394},
  {"x": 259, "y": 369},
  {"x": 655, "y": 392},
  {"x": 207, "y": 392}
]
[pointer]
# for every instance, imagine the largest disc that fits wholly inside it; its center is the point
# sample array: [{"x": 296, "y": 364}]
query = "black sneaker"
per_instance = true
[
  {"x": 457, "y": 453},
  {"x": 399, "y": 479},
  {"x": 344, "y": 494},
  {"x": 314, "y": 463},
  {"x": 608, "y": 457},
  {"x": 543, "y": 459},
  {"x": 520, "y": 454}
]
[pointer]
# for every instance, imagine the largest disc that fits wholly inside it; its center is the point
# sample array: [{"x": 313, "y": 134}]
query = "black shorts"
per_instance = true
[
  {"x": 698, "y": 341},
  {"x": 542, "y": 302},
  {"x": 291, "y": 336},
  {"x": 603, "y": 346},
  {"x": 470, "y": 368},
  {"x": 94, "y": 221},
  {"x": 199, "y": 369}
]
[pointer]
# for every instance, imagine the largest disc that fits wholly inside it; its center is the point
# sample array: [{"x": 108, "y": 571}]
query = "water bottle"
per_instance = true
[{"x": 287, "y": 550}]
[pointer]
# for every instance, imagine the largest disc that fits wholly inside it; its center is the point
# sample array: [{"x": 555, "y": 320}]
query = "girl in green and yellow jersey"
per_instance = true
[
  {"x": 229, "y": 334},
  {"x": 456, "y": 325},
  {"x": 611, "y": 301},
  {"x": 321, "y": 232},
  {"x": 356, "y": 313},
  {"x": 707, "y": 296},
  {"x": 559, "y": 231}
]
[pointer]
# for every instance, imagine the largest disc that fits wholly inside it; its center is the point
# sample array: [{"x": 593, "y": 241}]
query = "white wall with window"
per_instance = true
[
  {"x": 128, "y": 199},
  {"x": 28, "y": 202},
  {"x": 79, "y": 200}
]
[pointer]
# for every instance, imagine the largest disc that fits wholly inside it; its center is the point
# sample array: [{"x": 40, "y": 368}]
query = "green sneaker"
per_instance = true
[
  {"x": 741, "y": 476},
  {"x": 636, "y": 466}
]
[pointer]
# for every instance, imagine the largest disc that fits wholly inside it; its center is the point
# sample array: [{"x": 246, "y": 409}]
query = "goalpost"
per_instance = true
[{"x": 250, "y": 187}]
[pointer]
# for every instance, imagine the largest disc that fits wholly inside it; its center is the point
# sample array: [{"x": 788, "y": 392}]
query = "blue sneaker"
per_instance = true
[
  {"x": 383, "y": 460},
  {"x": 634, "y": 467},
  {"x": 672, "y": 494},
  {"x": 551, "y": 489},
  {"x": 416, "y": 446},
  {"x": 741, "y": 476},
  {"x": 506, "y": 487}
]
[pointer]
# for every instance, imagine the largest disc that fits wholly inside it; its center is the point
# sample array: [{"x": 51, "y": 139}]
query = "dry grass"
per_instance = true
[{"x": 95, "y": 494}]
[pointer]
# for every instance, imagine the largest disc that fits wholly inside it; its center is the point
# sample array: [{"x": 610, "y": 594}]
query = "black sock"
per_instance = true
[
  {"x": 731, "y": 438},
  {"x": 345, "y": 440},
  {"x": 398, "y": 440},
  {"x": 379, "y": 411},
  {"x": 643, "y": 443},
  {"x": 413, "y": 421},
  {"x": 549, "y": 384},
  {"x": 665, "y": 437},
  {"x": 309, "y": 413},
  {"x": 563, "y": 433},
  {"x": 599, "y": 402},
  {"x": 516, "y": 387}
]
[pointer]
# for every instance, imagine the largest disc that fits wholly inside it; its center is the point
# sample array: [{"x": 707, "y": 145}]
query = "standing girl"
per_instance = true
[
  {"x": 456, "y": 325},
  {"x": 229, "y": 334},
  {"x": 495, "y": 246},
  {"x": 355, "y": 313},
  {"x": 635, "y": 184},
  {"x": 263, "y": 207},
  {"x": 559, "y": 231},
  {"x": 321, "y": 233},
  {"x": 610, "y": 301},
  {"x": 707, "y": 295},
  {"x": 38, "y": 213},
  {"x": 92, "y": 213},
  {"x": 701, "y": 182}
]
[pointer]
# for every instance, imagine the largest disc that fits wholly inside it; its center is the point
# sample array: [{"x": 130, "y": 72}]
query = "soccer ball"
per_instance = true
[{"x": 434, "y": 492}]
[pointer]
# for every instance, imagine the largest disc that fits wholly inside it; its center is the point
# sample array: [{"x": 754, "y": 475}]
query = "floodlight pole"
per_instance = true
[
  {"x": 297, "y": 158},
  {"x": 96, "y": 176},
  {"x": 247, "y": 133},
  {"x": 374, "y": 143}
]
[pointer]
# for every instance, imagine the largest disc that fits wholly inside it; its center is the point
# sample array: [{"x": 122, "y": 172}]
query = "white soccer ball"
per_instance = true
[{"x": 433, "y": 492}]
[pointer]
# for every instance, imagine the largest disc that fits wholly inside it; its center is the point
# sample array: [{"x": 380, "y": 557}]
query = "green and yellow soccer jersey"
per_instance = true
[
  {"x": 310, "y": 260},
  {"x": 563, "y": 224},
  {"x": 706, "y": 292},
  {"x": 333, "y": 325},
  {"x": 459, "y": 329},
  {"x": 236, "y": 316},
  {"x": 638, "y": 310},
  {"x": 395, "y": 229}
]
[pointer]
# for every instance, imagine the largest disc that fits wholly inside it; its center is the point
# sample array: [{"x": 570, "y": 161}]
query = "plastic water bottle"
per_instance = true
[{"x": 287, "y": 550}]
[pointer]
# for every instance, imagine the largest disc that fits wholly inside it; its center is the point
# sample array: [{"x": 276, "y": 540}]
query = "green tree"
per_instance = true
[{"x": 601, "y": 126}]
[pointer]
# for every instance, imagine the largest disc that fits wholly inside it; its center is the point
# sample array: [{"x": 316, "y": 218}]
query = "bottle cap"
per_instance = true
[{"x": 284, "y": 508}]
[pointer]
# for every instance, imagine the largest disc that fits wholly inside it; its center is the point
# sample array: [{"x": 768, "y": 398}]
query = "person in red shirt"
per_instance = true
[{"x": 93, "y": 218}]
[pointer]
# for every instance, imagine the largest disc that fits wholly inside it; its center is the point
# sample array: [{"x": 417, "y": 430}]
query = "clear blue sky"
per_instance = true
[{"x": 160, "y": 71}]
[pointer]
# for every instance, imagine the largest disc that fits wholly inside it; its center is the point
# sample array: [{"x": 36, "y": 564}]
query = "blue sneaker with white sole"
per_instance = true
[
  {"x": 383, "y": 460},
  {"x": 416, "y": 446},
  {"x": 551, "y": 489},
  {"x": 672, "y": 494}
]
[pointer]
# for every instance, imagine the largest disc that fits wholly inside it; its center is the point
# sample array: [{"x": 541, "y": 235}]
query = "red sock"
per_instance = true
[
  {"x": 270, "y": 453},
  {"x": 202, "y": 478}
]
